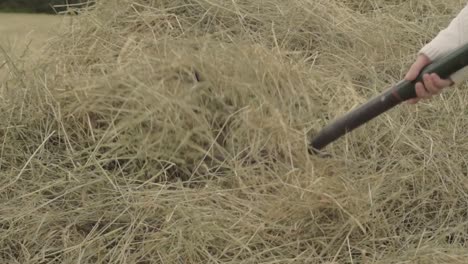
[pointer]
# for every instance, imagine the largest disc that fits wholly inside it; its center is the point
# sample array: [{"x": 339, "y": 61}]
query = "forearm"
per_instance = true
[{"x": 450, "y": 38}]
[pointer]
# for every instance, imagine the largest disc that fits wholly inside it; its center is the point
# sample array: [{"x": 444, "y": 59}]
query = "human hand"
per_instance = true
[{"x": 432, "y": 84}]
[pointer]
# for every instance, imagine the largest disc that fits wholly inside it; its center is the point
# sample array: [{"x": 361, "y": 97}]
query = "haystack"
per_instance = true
[{"x": 175, "y": 131}]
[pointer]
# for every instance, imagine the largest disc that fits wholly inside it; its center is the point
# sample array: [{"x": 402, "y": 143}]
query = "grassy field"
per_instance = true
[
  {"x": 23, "y": 36},
  {"x": 17, "y": 30},
  {"x": 177, "y": 131}
]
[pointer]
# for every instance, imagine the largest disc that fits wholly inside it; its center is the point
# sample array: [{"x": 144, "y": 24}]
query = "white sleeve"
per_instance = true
[{"x": 450, "y": 38}]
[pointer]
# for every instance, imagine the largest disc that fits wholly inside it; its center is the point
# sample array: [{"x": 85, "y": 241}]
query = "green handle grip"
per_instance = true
[{"x": 445, "y": 67}]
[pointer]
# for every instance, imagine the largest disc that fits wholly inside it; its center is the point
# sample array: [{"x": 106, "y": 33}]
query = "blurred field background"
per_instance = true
[
  {"x": 27, "y": 31},
  {"x": 26, "y": 26},
  {"x": 176, "y": 131}
]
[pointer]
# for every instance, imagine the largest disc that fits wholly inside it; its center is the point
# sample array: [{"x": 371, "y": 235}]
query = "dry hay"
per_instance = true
[{"x": 171, "y": 131}]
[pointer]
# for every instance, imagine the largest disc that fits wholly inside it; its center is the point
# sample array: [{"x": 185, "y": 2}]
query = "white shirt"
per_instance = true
[{"x": 450, "y": 38}]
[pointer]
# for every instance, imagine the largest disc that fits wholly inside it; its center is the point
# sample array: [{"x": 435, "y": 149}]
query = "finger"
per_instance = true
[
  {"x": 413, "y": 100},
  {"x": 412, "y": 72},
  {"x": 421, "y": 92},
  {"x": 429, "y": 85},
  {"x": 416, "y": 68},
  {"x": 440, "y": 83}
]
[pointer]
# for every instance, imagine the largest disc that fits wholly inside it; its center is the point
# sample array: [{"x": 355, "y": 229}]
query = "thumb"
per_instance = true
[{"x": 417, "y": 66}]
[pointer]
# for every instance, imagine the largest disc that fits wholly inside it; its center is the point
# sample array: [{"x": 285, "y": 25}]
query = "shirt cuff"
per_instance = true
[{"x": 433, "y": 52}]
